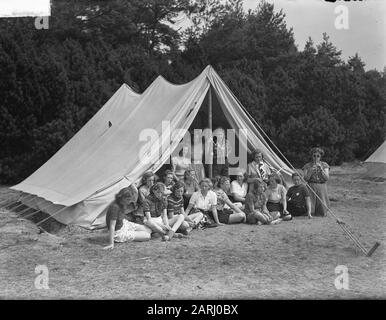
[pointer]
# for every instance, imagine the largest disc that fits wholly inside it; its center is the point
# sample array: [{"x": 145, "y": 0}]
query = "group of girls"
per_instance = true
[{"x": 174, "y": 207}]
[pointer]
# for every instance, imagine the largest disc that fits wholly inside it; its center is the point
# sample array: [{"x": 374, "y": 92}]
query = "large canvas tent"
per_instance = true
[
  {"x": 376, "y": 163},
  {"x": 78, "y": 183}
]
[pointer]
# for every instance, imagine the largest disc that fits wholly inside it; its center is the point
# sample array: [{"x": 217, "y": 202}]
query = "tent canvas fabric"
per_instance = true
[
  {"x": 376, "y": 163},
  {"x": 79, "y": 182}
]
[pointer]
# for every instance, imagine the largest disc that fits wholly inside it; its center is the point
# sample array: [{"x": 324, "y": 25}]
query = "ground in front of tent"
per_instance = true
[{"x": 296, "y": 259}]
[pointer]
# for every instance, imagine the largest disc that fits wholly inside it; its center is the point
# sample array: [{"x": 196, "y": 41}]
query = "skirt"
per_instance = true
[{"x": 319, "y": 207}]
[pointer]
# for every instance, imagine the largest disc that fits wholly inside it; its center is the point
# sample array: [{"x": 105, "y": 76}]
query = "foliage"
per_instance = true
[{"x": 53, "y": 81}]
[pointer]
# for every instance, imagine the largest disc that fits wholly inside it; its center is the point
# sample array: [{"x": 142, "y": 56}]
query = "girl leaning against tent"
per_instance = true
[
  {"x": 155, "y": 210},
  {"x": 120, "y": 228}
]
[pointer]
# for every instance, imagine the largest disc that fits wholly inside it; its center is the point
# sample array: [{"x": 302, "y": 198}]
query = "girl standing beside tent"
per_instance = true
[
  {"x": 316, "y": 173},
  {"x": 181, "y": 163},
  {"x": 156, "y": 218},
  {"x": 120, "y": 229}
]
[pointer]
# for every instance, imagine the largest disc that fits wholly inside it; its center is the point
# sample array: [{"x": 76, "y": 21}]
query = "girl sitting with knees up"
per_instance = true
[
  {"x": 227, "y": 211},
  {"x": 155, "y": 210},
  {"x": 120, "y": 229},
  {"x": 176, "y": 208},
  {"x": 256, "y": 206},
  {"x": 277, "y": 199}
]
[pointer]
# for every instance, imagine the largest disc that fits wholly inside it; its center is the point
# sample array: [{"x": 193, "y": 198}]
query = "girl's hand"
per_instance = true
[
  {"x": 285, "y": 212},
  {"x": 220, "y": 224},
  {"x": 110, "y": 246}
]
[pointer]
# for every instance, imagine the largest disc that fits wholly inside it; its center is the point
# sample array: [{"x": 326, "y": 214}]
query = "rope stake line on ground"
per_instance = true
[{"x": 352, "y": 237}]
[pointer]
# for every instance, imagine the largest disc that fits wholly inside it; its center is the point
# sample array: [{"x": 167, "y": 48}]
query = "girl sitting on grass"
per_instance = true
[
  {"x": 256, "y": 205},
  {"x": 120, "y": 229},
  {"x": 227, "y": 211},
  {"x": 156, "y": 218},
  {"x": 176, "y": 207}
]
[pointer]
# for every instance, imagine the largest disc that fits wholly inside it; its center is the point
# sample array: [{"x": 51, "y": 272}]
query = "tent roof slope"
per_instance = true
[
  {"x": 379, "y": 155},
  {"x": 108, "y": 148}
]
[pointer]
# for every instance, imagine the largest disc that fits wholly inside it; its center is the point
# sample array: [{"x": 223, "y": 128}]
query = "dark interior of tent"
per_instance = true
[{"x": 202, "y": 121}]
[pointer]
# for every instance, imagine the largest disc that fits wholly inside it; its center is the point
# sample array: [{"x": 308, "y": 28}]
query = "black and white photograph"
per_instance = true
[{"x": 192, "y": 150}]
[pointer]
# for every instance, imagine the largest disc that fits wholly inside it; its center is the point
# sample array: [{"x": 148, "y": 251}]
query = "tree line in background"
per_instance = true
[{"x": 53, "y": 81}]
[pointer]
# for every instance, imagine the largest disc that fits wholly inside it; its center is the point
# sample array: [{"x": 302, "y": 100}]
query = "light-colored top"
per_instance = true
[
  {"x": 180, "y": 165},
  {"x": 203, "y": 203},
  {"x": 241, "y": 191},
  {"x": 222, "y": 198},
  {"x": 277, "y": 194},
  {"x": 315, "y": 173},
  {"x": 258, "y": 170}
]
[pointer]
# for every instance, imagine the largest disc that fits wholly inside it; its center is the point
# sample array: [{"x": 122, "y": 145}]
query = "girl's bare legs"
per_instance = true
[
  {"x": 155, "y": 227},
  {"x": 237, "y": 217},
  {"x": 196, "y": 217},
  {"x": 176, "y": 222},
  {"x": 141, "y": 236}
]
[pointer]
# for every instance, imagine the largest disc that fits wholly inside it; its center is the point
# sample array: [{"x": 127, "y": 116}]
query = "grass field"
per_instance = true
[{"x": 291, "y": 260}]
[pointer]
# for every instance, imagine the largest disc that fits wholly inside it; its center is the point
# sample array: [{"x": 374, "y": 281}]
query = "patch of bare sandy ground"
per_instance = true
[{"x": 291, "y": 260}]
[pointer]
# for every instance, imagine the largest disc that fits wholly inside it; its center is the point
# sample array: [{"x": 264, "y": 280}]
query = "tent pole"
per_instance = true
[{"x": 210, "y": 127}]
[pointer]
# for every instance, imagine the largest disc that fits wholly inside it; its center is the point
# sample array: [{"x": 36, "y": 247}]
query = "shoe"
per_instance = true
[{"x": 180, "y": 235}]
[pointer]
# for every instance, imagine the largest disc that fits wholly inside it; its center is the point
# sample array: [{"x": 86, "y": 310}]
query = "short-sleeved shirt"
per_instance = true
[
  {"x": 175, "y": 204},
  {"x": 114, "y": 212},
  {"x": 143, "y": 192},
  {"x": 203, "y": 203},
  {"x": 222, "y": 198},
  {"x": 255, "y": 202},
  {"x": 277, "y": 194},
  {"x": 258, "y": 170},
  {"x": 241, "y": 191},
  {"x": 154, "y": 205},
  {"x": 316, "y": 177},
  {"x": 296, "y": 195}
]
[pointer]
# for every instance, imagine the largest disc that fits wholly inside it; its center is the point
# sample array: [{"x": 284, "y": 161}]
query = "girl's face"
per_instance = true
[
  {"x": 272, "y": 181},
  {"x": 185, "y": 151},
  {"x": 204, "y": 186},
  {"x": 158, "y": 194},
  {"x": 168, "y": 179},
  {"x": 296, "y": 180},
  {"x": 316, "y": 156},
  {"x": 150, "y": 181},
  {"x": 226, "y": 186},
  {"x": 240, "y": 178},
  {"x": 260, "y": 189},
  {"x": 220, "y": 136},
  {"x": 258, "y": 157},
  {"x": 178, "y": 193}
]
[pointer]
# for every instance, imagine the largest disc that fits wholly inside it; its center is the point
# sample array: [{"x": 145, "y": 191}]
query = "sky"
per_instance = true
[{"x": 366, "y": 34}]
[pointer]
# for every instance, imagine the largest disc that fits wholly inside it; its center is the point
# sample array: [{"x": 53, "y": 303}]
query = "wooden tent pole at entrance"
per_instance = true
[{"x": 210, "y": 127}]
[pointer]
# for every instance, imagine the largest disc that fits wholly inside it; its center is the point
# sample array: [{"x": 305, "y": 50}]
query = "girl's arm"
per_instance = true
[
  {"x": 307, "y": 172},
  {"x": 111, "y": 235},
  {"x": 188, "y": 209},
  {"x": 308, "y": 205},
  {"x": 237, "y": 197},
  {"x": 232, "y": 206},
  {"x": 215, "y": 215},
  {"x": 284, "y": 199},
  {"x": 165, "y": 219}
]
